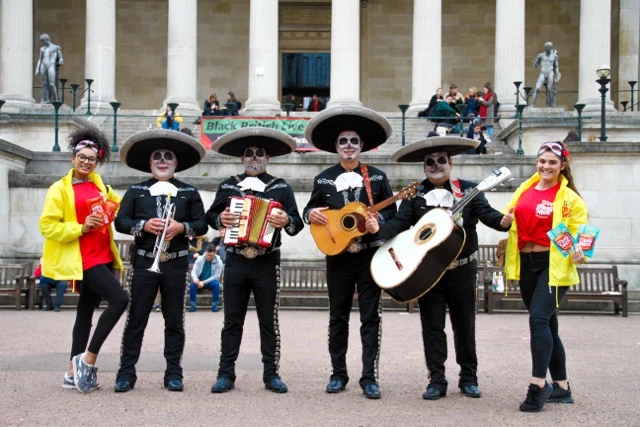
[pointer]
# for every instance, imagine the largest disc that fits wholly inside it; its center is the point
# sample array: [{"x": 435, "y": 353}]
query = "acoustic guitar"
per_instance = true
[
  {"x": 411, "y": 263},
  {"x": 347, "y": 224}
]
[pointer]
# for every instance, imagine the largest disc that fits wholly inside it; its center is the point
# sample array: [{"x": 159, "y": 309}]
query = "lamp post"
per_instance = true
[
  {"x": 115, "y": 105},
  {"x": 64, "y": 82},
  {"x": 527, "y": 92},
  {"x": 603, "y": 72},
  {"x": 632, "y": 83},
  {"x": 288, "y": 106},
  {"x": 89, "y": 81},
  {"x": 403, "y": 108},
  {"x": 2, "y": 101},
  {"x": 579, "y": 108},
  {"x": 517, "y": 92},
  {"x": 56, "y": 107},
  {"x": 519, "y": 109},
  {"x": 624, "y": 105},
  {"x": 74, "y": 89}
]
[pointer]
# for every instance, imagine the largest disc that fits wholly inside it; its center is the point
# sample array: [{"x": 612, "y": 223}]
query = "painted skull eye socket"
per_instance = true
[
  {"x": 258, "y": 152},
  {"x": 441, "y": 160},
  {"x": 354, "y": 140},
  {"x": 163, "y": 155}
]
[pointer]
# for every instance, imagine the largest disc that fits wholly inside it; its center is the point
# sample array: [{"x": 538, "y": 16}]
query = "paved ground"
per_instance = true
[{"x": 603, "y": 353}]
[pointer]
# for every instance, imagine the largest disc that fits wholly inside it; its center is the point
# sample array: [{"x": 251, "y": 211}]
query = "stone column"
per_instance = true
[
  {"x": 17, "y": 48},
  {"x": 595, "y": 50},
  {"x": 182, "y": 55},
  {"x": 509, "y": 60},
  {"x": 345, "y": 53},
  {"x": 629, "y": 49},
  {"x": 427, "y": 53},
  {"x": 263, "y": 59},
  {"x": 100, "y": 55}
]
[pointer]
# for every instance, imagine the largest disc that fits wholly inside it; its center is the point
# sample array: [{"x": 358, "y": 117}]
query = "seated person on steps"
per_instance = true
[{"x": 206, "y": 274}]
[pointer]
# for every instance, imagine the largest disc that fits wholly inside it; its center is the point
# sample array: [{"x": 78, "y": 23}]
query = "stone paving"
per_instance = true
[{"x": 603, "y": 365}]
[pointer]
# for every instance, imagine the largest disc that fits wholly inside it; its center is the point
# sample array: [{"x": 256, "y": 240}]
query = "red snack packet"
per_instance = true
[
  {"x": 561, "y": 238},
  {"x": 105, "y": 208}
]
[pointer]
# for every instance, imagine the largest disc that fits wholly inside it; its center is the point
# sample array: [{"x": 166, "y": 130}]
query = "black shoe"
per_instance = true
[
  {"x": 471, "y": 390},
  {"x": 175, "y": 385},
  {"x": 276, "y": 385},
  {"x": 222, "y": 385},
  {"x": 336, "y": 386},
  {"x": 371, "y": 391},
  {"x": 560, "y": 395},
  {"x": 123, "y": 386},
  {"x": 433, "y": 393},
  {"x": 536, "y": 398}
]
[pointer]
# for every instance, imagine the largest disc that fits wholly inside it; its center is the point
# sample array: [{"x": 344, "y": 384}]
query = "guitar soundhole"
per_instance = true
[
  {"x": 426, "y": 233},
  {"x": 348, "y": 222}
]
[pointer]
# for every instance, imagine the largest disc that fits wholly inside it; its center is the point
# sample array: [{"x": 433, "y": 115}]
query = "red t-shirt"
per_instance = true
[
  {"x": 95, "y": 246},
  {"x": 534, "y": 215}
]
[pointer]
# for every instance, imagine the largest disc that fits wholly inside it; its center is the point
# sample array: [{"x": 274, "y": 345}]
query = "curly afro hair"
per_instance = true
[{"x": 96, "y": 136}]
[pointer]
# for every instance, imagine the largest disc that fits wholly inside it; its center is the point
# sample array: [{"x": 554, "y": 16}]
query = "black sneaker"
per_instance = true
[
  {"x": 536, "y": 398},
  {"x": 560, "y": 395}
]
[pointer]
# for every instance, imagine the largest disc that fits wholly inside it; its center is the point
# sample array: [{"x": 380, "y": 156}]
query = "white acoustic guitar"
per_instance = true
[{"x": 411, "y": 263}]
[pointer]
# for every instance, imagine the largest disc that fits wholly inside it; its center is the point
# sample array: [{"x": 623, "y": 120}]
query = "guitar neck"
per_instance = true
[
  {"x": 383, "y": 204},
  {"x": 464, "y": 201}
]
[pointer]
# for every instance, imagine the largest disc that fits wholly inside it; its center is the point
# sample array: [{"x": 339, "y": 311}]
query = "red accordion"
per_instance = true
[{"x": 252, "y": 229}]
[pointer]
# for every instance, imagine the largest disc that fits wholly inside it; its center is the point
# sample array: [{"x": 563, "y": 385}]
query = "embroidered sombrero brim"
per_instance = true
[
  {"x": 234, "y": 143},
  {"x": 136, "y": 151},
  {"x": 323, "y": 129},
  {"x": 416, "y": 151}
]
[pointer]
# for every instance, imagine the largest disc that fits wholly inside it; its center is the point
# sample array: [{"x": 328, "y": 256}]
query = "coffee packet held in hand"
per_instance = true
[
  {"x": 586, "y": 239},
  {"x": 561, "y": 238}
]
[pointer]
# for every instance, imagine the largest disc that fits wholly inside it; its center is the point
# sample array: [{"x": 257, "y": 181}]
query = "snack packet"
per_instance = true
[
  {"x": 561, "y": 238},
  {"x": 586, "y": 239},
  {"x": 105, "y": 208}
]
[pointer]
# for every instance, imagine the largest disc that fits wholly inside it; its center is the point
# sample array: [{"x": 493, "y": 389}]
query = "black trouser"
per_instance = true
[
  {"x": 97, "y": 283},
  {"x": 547, "y": 349},
  {"x": 457, "y": 290},
  {"x": 346, "y": 273},
  {"x": 242, "y": 276},
  {"x": 144, "y": 287}
]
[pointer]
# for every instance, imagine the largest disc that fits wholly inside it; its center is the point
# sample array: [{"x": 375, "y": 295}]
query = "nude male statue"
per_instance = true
[
  {"x": 549, "y": 74},
  {"x": 48, "y": 63}
]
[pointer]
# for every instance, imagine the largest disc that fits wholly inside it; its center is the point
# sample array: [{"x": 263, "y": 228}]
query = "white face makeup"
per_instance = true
[
  {"x": 349, "y": 145},
  {"x": 255, "y": 160},
  {"x": 163, "y": 164},
  {"x": 437, "y": 167}
]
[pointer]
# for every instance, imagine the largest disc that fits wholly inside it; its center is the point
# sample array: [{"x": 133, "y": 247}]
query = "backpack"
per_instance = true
[{"x": 496, "y": 109}]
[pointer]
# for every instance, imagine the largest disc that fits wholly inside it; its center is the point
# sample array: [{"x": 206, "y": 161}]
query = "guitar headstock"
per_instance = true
[
  {"x": 408, "y": 192},
  {"x": 498, "y": 176}
]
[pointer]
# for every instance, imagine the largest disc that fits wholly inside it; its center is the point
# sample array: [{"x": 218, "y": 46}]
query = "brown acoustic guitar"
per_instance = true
[{"x": 348, "y": 223}]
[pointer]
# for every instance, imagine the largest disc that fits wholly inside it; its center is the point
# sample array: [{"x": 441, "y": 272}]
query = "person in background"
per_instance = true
[
  {"x": 169, "y": 120},
  {"x": 475, "y": 132},
  {"x": 236, "y": 105},
  {"x": 79, "y": 245},
  {"x": 46, "y": 284},
  {"x": 541, "y": 203},
  {"x": 205, "y": 274},
  {"x": 488, "y": 100},
  {"x": 437, "y": 97},
  {"x": 572, "y": 136},
  {"x": 458, "y": 98},
  {"x": 316, "y": 104},
  {"x": 473, "y": 104}
]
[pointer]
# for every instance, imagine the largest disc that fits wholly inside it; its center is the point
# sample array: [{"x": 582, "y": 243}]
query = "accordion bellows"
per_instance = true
[{"x": 252, "y": 228}]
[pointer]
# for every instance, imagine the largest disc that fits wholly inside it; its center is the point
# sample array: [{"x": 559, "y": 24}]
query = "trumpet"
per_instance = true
[{"x": 161, "y": 245}]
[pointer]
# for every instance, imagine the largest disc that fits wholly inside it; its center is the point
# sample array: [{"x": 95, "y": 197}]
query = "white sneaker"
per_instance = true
[{"x": 68, "y": 383}]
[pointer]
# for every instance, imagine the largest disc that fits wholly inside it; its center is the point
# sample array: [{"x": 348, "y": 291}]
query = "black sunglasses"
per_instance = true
[
  {"x": 258, "y": 152},
  {"x": 354, "y": 140},
  {"x": 441, "y": 160}
]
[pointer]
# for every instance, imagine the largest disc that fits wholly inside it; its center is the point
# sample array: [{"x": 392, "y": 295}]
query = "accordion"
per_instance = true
[{"x": 252, "y": 229}]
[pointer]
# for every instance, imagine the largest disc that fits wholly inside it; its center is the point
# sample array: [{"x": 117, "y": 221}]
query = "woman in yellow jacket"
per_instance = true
[
  {"x": 541, "y": 203},
  {"x": 79, "y": 246}
]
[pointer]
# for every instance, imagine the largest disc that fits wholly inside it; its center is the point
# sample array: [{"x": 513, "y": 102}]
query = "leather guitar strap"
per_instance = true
[{"x": 367, "y": 182}]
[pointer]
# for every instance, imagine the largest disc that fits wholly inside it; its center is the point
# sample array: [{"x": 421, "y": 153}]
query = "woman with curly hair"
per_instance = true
[{"x": 79, "y": 245}]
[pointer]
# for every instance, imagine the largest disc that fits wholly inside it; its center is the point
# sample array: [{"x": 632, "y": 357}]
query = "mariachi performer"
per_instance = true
[
  {"x": 456, "y": 287},
  {"x": 250, "y": 267},
  {"x": 350, "y": 131},
  {"x": 162, "y": 213}
]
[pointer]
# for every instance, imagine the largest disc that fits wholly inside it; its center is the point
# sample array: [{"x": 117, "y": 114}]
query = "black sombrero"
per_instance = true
[
  {"x": 323, "y": 129},
  {"x": 416, "y": 151},
  {"x": 277, "y": 143},
  {"x": 137, "y": 150}
]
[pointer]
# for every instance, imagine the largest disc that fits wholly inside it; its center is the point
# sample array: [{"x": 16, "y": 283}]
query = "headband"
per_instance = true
[
  {"x": 556, "y": 148},
  {"x": 86, "y": 143}
]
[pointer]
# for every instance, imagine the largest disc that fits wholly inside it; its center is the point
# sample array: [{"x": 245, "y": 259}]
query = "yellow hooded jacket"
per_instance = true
[
  {"x": 569, "y": 208},
  {"x": 61, "y": 259}
]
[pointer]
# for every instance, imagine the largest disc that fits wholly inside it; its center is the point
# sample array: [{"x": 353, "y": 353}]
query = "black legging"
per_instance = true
[{"x": 97, "y": 283}]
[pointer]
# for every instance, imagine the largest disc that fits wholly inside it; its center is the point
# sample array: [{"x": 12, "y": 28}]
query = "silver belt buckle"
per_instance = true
[
  {"x": 453, "y": 265},
  {"x": 164, "y": 256},
  {"x": 249, "y": 252},
  {"x": 354, "y": 248}
]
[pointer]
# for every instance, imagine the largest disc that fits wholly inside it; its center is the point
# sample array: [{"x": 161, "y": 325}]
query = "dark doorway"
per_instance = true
[{"x": 304, "y": 74}]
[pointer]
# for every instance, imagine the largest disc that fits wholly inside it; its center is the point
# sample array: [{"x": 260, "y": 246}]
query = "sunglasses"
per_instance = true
[
  {"x": 354, "y": 140},
  {"x": 258, "y": 152},
  {"x": 167, "y": 156},
  {"x": 82, "y": 158},
  {"x": 441, "y": 160},
  {"x": 554, "y": 147}
]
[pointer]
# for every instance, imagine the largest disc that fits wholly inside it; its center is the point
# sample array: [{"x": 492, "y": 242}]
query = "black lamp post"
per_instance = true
[
  {"x": 632, "y": 83},
  {"x": 403, "y": 108},
  {"x": 527, "y": 92},
  {"x": 2, "y": 101},
  {"x": 115, "y": 105},
  {"x": 519, "y": 109},
  {"x": 64, "y": 82},
  {"x": 624, "y": 105},
  {"x": 288, "y": 106},
  {"x": 517, "y": 92},
  {"x": 74, "y": 89},
  {"x": 579, "y": 108},
  {"x": 89, "y": 81},
  {"x": 603, "y": 72},
  {"x": 56, "y": 107}
]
